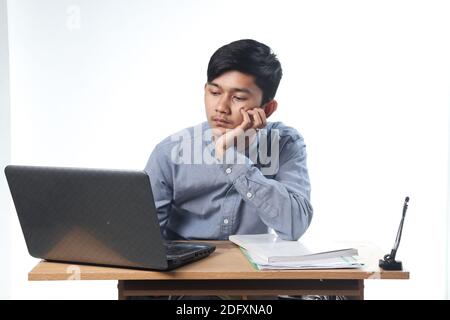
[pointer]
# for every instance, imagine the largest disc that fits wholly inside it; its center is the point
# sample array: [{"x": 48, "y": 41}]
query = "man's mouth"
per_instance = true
[{"x": 219, "y": 122}]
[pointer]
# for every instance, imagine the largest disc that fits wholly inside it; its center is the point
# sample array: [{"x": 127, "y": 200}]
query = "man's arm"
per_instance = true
[
  {"x": 161, "y": 178},
  {"x": 283, "y": 202}
]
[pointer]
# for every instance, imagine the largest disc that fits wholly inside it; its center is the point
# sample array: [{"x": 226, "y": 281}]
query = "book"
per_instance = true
[
  {"x": 330, "y": 263},
  {"x": 270, "y": 249}
]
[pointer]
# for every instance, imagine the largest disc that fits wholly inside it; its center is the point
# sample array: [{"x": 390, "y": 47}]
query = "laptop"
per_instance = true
[{"x": 94, "y": 216}]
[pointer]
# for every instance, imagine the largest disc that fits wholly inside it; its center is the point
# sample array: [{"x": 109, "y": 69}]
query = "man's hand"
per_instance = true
[{"x": 253, "y": 120}]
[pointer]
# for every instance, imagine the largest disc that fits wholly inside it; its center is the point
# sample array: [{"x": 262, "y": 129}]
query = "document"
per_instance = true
[
  {"x": 331, "y": 263},
  {"x": 267, "y": 251}
]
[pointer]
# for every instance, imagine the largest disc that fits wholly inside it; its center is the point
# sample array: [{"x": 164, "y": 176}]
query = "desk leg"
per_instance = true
[
  {"x": 360, "y": 289},
  {"x": 352, "y": 289},
  {"x": 121, "y": 292}
]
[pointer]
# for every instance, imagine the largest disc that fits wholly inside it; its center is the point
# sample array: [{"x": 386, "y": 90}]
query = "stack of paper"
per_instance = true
[{"x": 267, "y": 251}]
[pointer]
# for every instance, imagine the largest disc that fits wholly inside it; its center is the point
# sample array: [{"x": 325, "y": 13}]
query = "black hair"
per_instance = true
[{"x": 250, "y": 57}]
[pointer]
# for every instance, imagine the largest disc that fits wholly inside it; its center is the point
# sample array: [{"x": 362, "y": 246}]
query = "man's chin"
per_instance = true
[{"x": 218, "y": 131}]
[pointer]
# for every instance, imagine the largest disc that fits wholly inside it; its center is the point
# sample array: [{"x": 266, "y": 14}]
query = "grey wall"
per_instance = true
[{"x": 5, "y": 154}]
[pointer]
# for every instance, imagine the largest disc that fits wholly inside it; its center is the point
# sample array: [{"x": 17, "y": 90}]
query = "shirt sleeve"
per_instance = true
[
  {"x": 283, "y": 202},
  {"x": 160, "y": 178}
]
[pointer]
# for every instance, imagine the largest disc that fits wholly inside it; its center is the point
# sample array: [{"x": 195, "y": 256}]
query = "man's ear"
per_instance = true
[{"x": 270, "y": 107}]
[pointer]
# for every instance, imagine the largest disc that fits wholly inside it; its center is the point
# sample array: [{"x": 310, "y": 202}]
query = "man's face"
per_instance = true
[{"x": 226, "y": 95}]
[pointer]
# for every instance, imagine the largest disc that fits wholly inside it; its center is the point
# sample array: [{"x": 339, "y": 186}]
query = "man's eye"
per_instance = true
[
  {"x": 240, "y": 98},
  {"x": 215, "y": 93}
]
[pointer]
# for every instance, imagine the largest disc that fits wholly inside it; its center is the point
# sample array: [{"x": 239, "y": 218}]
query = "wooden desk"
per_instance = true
[{"x": 228, "y": 272}]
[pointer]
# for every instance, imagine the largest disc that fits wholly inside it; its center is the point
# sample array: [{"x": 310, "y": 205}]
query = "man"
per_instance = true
[{"x": 236, "y": 173}]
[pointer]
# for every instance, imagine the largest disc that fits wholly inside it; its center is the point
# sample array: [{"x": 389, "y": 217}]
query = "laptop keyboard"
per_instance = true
[{"x": 175, "y": 250}]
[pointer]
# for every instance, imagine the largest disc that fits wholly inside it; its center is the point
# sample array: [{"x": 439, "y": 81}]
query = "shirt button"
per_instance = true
[
  {"x": 228, "y": 170},
  {"x": 249, "y": 195},
  {"x": 225, "y": 221}
]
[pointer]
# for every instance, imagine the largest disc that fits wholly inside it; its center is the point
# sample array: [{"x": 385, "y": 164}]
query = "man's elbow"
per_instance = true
[{"x": 299, "y": 227}]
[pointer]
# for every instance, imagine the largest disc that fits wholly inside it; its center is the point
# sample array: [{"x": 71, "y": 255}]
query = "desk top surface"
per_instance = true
[{"x": 227, "y": 262}]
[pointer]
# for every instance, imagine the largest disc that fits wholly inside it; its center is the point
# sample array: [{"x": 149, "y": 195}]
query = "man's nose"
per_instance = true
[{"x": 223, "y": 105}]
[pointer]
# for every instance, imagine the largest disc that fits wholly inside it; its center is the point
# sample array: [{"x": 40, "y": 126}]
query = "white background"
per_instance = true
[
  {"x": 4, "y": 155},
  {"x": 367, "y": 83}
]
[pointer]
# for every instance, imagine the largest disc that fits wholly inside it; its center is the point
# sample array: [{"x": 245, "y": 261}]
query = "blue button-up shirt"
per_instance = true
[{"x": 265, "y": 186}]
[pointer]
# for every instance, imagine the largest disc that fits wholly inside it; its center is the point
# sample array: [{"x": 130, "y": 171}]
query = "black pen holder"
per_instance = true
[{"x": 390, "y": 265}]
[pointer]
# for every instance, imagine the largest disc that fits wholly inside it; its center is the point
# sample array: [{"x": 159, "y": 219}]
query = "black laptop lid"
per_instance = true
[{"x": 105, "y": 217}]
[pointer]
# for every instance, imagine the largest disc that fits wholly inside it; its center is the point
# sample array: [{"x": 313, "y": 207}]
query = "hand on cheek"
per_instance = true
[
  {"x": 246, "y": 120},
  {"x": 259, "y": 118},
  {"x": 251, "y": 119}
]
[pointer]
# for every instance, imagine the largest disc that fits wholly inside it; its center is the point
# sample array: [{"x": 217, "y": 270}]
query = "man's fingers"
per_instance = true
[
  {"x": 263, "y": 117},
  {"x": 258, "y": 122},
  {"x": 246, "y": 122}
]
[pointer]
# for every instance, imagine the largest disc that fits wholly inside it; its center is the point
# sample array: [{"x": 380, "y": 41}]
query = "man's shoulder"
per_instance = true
[
  {"x": 284, "y": 132},
  {"x": 291, "y": 142}
]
